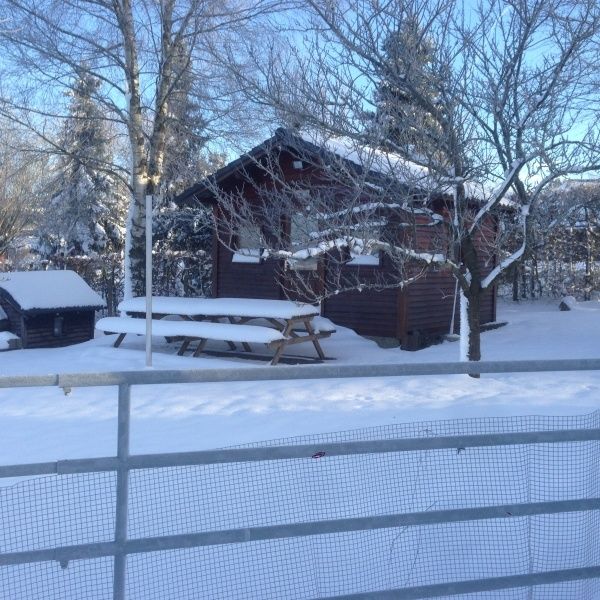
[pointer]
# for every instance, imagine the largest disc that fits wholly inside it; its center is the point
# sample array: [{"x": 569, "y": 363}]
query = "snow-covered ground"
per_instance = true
[
  {"x": 45, "y": 512},
  {"x": 43, "y": 424}
]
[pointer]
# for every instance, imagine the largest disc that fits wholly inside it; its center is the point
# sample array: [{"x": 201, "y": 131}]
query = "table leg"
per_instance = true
[
  {"x": 184, "y": 347},
  {"x": 315, "y": 341},
  {"x": 200, "y": 347},
  {"x": 119, "y": 340}
]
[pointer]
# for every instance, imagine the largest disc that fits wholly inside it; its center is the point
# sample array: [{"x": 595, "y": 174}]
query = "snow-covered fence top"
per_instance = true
[
  {"x": 220, "y": 307},
  {"x": 48, "y": 290}
]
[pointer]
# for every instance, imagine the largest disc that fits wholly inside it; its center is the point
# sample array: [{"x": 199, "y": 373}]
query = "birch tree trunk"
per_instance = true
[
  {"x": 147, "y": 154},
  {"x": 130, "y": 47}
]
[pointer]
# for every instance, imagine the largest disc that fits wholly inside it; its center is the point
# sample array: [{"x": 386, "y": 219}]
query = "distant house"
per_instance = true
[
  {"x": 416, "y": 315},
  {"x": 48, "y": 309}
]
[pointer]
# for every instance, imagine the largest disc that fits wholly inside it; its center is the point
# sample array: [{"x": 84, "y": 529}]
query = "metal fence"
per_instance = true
[{"x": 481, "y": 508}]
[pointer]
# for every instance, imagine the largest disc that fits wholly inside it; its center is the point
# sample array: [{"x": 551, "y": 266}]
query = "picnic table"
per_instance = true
[{"x": 295, "y": 323}]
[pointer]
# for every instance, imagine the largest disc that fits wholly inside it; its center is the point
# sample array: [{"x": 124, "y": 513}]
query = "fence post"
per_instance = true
[{"x": 122, "y": 492}]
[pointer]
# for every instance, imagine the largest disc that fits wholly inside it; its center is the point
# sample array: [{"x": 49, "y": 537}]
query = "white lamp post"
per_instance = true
[{"x": 148, "y": 280}]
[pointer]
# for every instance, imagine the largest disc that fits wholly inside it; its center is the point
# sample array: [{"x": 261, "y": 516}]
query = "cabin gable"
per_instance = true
[{"x": 416, "y": 315}]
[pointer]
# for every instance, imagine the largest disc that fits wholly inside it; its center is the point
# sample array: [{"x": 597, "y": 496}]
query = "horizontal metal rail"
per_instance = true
[
  {"x": 284, "y": 373},
  {"x": 476, "y": 585},
  {"x": 320, "y": 451},
  {"x": 293, "y": 530}
]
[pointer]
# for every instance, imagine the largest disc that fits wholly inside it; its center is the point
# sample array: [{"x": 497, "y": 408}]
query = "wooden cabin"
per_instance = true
[
  {"x": 416, "y": 315},
  {"x": 48, "y": 309}
]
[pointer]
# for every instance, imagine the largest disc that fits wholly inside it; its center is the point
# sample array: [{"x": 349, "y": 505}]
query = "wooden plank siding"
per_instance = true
[
  {"x": 77, "y": 327},
  {"x": 367, "y": 312},
  {"x": 430, "y": 299},
  {"x": 245, "y": 280},
  {"x": 36, "y": 328},
  {"x": 429, "y": 302}
]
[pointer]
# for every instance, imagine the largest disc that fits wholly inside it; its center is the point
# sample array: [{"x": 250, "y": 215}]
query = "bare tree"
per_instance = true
[
  {"x": 136, "y": 49},
  {"x": 504, "y": 105},
  {"x": 562, "y": 255},
  {"x": 22, "y": 185}
]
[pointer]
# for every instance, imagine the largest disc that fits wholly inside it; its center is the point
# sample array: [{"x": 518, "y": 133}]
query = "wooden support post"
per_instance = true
[
  {"x": 200, "y": 347},
  {"x": 184, "y": 346},
  {"x": 315, "y": 340},
  {"x": 119, "y": 340}
]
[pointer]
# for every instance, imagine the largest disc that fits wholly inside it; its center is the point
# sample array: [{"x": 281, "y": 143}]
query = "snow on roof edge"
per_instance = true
[
  {"x": 389, "y": 164},
  {"x": 49, "y": 290}
]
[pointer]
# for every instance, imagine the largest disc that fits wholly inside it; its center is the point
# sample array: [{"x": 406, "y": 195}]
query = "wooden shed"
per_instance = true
[
  {"x": 417, "y": 314},
  {"x": 48, "y": 309}
]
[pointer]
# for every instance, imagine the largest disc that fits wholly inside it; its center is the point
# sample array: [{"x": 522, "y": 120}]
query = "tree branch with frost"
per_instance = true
[{"x": 505, "y": 115}]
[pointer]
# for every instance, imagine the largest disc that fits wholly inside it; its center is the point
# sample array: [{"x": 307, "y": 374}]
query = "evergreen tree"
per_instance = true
[
  {"x": 405, "y": 98},
  {"x": 185, "y": 137},
  {"x": 85, "y": 214},
  {"x": 182, "y": 238}
]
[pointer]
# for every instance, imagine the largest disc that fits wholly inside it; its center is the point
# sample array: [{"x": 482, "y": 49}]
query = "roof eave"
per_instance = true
[
  {"x": 41, "y": 311},
  {"x": 202, "y": 192}
]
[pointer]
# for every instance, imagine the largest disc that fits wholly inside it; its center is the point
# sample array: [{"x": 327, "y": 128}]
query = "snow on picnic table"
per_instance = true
[
  {"x": 221, "y": 307},
  {"x": 43, "y": 424},
  {"x": 5, "y": 338},
  {"x": 192, "y": 329}
]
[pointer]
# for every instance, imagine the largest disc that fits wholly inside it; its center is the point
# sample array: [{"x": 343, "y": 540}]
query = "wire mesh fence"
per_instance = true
[{"x": 64, "y": 510}]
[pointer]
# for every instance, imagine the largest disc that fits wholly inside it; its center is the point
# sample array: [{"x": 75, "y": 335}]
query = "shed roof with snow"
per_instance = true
[
  {"x": 41, "y": 291},
  {"x": 47, "y": 309}
]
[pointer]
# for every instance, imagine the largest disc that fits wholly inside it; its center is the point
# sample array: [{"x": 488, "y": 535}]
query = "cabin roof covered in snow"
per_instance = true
[
  {"x": 369, "y": 158},
  {"x": 307, "y": 145},
  {"x": 381, "y": 170},
  {"x": 49, "y": 290}
]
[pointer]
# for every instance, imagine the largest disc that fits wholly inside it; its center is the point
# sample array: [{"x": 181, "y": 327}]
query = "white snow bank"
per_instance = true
[
  {"x": 221, "y": 307},
  {"x": 184, "y": 417},
  {"x": 49, "y": 290},
  {"x": 5, "y": 337},
  {"x": 570, "y": 301}
]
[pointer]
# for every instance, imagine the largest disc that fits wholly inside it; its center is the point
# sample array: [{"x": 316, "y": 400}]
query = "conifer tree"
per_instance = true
[
  {"x": 182, "y": 238},
  {"x": 185, "y": 137},
  {"x": 85, "y": 214},
  {"x": 405, "y": 98}
]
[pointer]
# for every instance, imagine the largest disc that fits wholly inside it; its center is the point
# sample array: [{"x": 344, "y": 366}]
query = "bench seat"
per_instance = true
[{"x": 192, "y": 329}]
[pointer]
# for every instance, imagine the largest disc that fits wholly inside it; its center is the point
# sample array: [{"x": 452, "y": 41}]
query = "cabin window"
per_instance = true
[
  {"x": 249, "y": 249},
  {"x": 57, "y": 330},
  {"x": 366, "y": 260},
  {"x": 303, "y": 264},
  {"x": 304, "y": 238}
]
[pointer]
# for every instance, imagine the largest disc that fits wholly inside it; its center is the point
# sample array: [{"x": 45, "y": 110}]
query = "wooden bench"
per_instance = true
[
  {"x": 192, "y": 331},
  {"x": 296, "y": 322}
]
